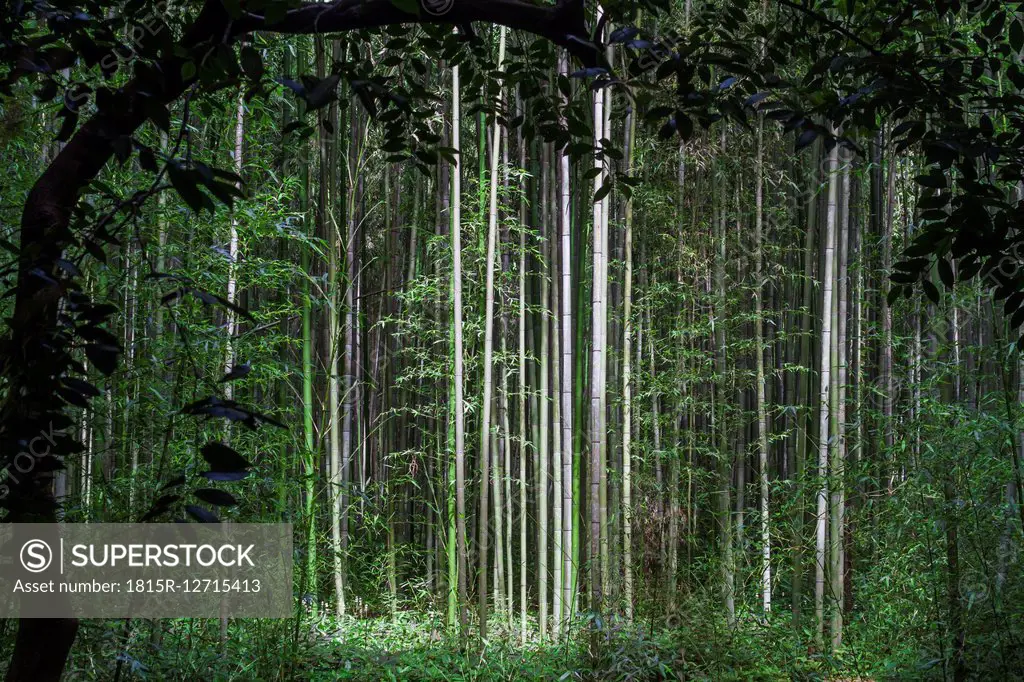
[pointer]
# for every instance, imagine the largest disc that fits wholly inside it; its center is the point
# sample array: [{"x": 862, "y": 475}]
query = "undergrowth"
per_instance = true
[{"x": 415, "y": 648}]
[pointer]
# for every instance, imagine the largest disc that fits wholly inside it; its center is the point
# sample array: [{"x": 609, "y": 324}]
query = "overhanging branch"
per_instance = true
[
  {"x": 556, "y": 23},
  {"x": 49, "y": 205}
]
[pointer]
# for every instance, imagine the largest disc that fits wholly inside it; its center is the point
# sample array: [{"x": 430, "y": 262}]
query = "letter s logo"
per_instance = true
[{"x": 36, "y": 556}]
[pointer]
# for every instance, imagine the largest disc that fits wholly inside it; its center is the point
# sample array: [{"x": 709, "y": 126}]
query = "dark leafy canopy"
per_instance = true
[
  {"x": 950, "y": 96},
  {"x": 898, "y": 68},
  {"x": 837, "y": 70}
]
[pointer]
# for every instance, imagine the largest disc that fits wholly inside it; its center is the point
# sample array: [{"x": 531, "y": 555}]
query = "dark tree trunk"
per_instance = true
[
  {"x": 41, "y": 649},
  {"x": 36, "y": 352}
]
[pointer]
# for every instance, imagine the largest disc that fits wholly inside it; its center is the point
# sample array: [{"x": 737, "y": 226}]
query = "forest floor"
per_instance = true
[
  {"x": 379, "y": 649},
  {"x": 413, "y": 648}
]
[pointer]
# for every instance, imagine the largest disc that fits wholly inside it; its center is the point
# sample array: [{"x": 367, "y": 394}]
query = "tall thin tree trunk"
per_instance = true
[
  {"x": 558, "y": 454},
  {"x": 485, "y": 410},
  {"x": 333, "y": 208},
  {"x": 232, "y": 293},
  {"x": 523, "y": 388},
  {"x": 627, "y": 386},
  {"x": 606, "y": 166},
  {"x": 543, "y": 464},
  {"x": 803, "y": 388},
  {"x": 837, "y": 457},
  {"x": 309, "y": 454},
  {"x": 762, "y": 413},
  {"x": 565, "y": 325},
  {"x": 351, "y": 407},
  {"x": 457, "y": 378},
  {"x": 888, "y": 385},
  {"x": 824, "y": 395},
  {"x": 724, "y": 455},
  {"x": 597, "y": 364}
]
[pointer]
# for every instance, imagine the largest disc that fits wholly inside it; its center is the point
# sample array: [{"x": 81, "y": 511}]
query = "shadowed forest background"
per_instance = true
[{"x": 642, "y": 341}]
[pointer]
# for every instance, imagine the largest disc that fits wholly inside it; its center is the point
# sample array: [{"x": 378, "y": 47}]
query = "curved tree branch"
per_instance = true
[
  {"x": 35, "y": 357},
  {"x": 555, "y": 23},
  {"x": 48, "y": 208}
]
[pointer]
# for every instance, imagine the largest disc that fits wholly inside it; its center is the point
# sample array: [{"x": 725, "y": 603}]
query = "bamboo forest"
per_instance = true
[{"x": 572, "y": 340}]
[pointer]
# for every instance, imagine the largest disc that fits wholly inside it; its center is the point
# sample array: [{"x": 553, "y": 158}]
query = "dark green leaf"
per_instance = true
[
  {"x": 103, "y": 357},
  {"x": 201, "y": 514},
  {"x": 945, "y": 272},
  {"x": 252, "y": 62},
  {"x": 224, "y": 458}
]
